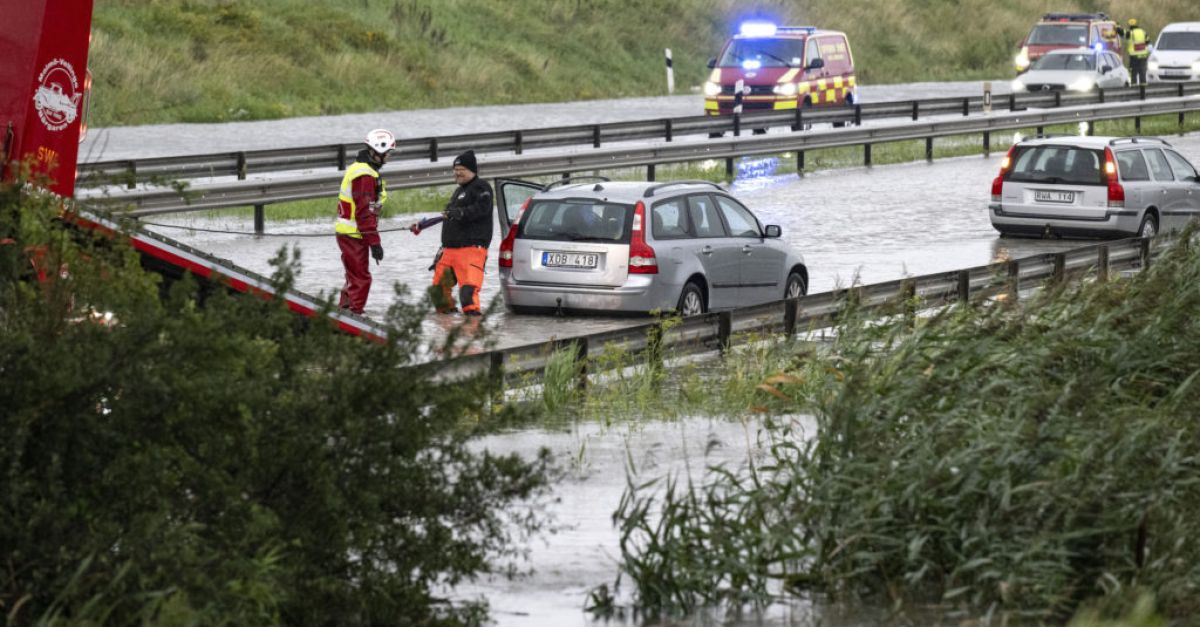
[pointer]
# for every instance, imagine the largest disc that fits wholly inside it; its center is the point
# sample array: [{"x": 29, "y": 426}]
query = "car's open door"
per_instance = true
[{"x": 510, "y": 195}]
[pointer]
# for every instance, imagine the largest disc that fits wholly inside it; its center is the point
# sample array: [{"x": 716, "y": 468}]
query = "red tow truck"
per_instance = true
[{"x": 44, "y": 92}]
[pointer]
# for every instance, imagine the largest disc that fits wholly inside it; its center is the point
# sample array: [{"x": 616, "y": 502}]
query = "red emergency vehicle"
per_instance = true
[
  {"x": 780, "y": 67},
  {"x": 1056, "y": 31},
  {"x": 43, "y": 108}
]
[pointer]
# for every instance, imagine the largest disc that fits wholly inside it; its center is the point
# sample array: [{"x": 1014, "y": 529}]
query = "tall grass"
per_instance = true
[
  {"x": 218, "y": 60},
  {"x": 1025, "y": 461}
]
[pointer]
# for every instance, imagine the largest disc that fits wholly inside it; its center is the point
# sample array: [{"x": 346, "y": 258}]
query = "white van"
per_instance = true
[{"x": 1176, "y": 55}]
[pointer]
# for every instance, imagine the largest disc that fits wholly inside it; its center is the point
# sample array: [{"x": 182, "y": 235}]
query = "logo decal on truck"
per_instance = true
[{"x": 57, "y": 96}]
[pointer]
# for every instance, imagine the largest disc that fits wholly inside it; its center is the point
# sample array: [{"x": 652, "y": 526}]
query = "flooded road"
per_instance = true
[{"x": 864, "y": 224}]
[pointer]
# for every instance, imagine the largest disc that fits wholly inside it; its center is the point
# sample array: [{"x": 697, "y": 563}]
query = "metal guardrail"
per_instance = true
[
  {"x": 260, "y": 193},
  {"x": 714, "y": 332},
  {"x": 242, "y": 163}
]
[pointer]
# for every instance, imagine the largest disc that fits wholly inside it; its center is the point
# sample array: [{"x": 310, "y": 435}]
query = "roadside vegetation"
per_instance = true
[
  {"x": 178, "y": 455},
  {"x": 1024, "y": 462},
  {"x": 220, "y": 60}
]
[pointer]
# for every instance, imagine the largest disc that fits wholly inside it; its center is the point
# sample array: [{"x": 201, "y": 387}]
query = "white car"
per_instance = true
[
  {"x": 1073, "y": 69},
  {"x": 1176, "y": 55},
  {"x": 1093, "y": 187}
]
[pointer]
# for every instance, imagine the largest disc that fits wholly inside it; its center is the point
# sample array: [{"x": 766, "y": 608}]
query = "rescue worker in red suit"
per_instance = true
[
  {"x": 466, "y": 235},
  {"x": 359, "y": 200}
]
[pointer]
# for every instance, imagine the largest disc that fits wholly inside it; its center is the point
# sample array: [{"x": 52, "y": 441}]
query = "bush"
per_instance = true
[
  {"x": 224, "y": 461},
  {"x": 1028, "y": 460}
]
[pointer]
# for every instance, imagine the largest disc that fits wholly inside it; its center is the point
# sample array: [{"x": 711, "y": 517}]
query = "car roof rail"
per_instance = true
[
  {"x": 650, "y": 191},
  {"x": 570, "y": 180},
  {"x": 1074, "y": 17},
  {"x": 1138, "y": 140}
]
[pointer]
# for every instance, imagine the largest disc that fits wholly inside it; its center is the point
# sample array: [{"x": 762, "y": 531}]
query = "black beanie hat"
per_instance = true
[{"x": 467, "y": 160}]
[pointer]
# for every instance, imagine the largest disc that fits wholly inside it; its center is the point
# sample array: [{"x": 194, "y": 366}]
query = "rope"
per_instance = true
[{"x": 226, "y": 232}]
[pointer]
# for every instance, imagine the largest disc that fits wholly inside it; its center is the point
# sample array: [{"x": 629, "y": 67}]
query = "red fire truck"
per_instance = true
[{"x": 44, "y": 85}]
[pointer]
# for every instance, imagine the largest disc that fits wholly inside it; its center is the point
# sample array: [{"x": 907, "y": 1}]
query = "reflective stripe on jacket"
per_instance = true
[
  {"x": 1137, "y": 43},
  {"x": 349, "y": 216}
]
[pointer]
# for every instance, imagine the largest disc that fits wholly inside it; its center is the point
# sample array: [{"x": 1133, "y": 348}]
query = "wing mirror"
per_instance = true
[
  {"x": 1105, "y": 69},
  {"x": 712, "y": 63},
  {"x": 815, "y": 64},
  {"x": 773, "y": 230}
]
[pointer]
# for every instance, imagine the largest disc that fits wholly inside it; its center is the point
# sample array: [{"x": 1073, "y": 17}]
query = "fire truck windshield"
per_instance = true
[
  {"x": 1058, "y": 35},
  {"x": 763, "y": 53}
]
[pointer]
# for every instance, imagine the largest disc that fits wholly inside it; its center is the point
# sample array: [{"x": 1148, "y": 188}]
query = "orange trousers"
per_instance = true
[{"x": 464, "y": 266}]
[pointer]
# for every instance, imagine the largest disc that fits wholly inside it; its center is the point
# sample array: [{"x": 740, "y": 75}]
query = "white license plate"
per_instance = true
[
  {"x": 1175, "y": 72},
  {"x": 569, "y": 260},
  {"x": 1049, "y": 196}
]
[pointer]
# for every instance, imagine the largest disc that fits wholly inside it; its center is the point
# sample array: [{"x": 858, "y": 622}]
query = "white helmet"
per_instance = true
[{"x": 381, "y": 140}]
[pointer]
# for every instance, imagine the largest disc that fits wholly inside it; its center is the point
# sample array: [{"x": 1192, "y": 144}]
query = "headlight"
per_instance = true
[
  {"x": 711, "y": 89},
  {"x": 1082, "y": 83},
  {"x": 786, "y": 89},
  {"x": 1022, "y": 60},
  {"x": 1152, "y": 65},
  {"x": 1196, "y": 67},
  {"x": 1018, "y": 86}
]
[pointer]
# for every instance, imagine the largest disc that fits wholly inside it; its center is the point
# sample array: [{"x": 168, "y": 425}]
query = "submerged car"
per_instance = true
[
  {"x": 1093, "y": 187},
  {"x": 638, "y": 247},
  {"x": 1176, "y": 55},
  {"x": 1077, "y": 69}
]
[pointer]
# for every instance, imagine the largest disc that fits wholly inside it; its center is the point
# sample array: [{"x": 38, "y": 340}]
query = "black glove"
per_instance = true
[
  {"x": 453, "y": 213},
  {"x": 377, "y": 253}
]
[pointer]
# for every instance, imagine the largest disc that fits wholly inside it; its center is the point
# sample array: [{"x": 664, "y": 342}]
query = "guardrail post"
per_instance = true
[
  {"x": 1012, "y": 102},
  {"x": 241, "y": 166},
  {"x": 650, "y": 172},
  {"x": 1181, "y": 114},
  {"x": 1090, "y": 129},
  {"x": 724, "y": 329},
  {"x": 791, "y": 308},
  {"x": 1144, "y": 252},
  {"x": 132, "y": 169},
  {"x": 729, "y": 166},
  {"x": 1060, "y": 267},
  {"x": 654, "y": 352},
  {"x": 1137, "y": 125},
  {"x": 798, "y": 125},
  {"x": 987, "y": 143},
  {"x": 737, "y": 125},
  {"x": 800, "y": 161},
  {"x": 596, "y": 136},
  {"x": 1014, "y": 280},
  {"x": 341, "y": 158},
  {"x": 929, "y": 149},
  {"x": 1180, "y": 86},
  {"x": 1142, "y": 91},
  {"x": 259, "y": 219},
  {"x": 858, "y": 115},
  {"x": 908, "y": 297},
  {"x": 1100, "y": 93},
  {"x": 518, "y": 139},
  {"x": 496, "y": 379},
  {"x": 433, "y": 149},
  {"x": 581, "y": 362},
  {"x": 668, "y": 130},
  {"x": 916, "y": 110},
  {"x": 964, "y": 286},
  {"x": 966, "y": 107},
  {"x": 1058, "y": 98},
  {"x": 1102, "y": 263},
  {"x": 1041, "y": 130},
  {"x": 866, "y": 154}
]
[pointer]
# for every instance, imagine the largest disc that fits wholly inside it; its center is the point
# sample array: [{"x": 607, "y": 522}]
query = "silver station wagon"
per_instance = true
[
  {"x": 638, "y": 247},
  {"x": 1093, "y": 187}
]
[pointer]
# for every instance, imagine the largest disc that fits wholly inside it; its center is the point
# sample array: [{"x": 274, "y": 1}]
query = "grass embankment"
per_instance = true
[
  {"x": 1026, "y": 462},
  {"x": 218, "y": 60}
]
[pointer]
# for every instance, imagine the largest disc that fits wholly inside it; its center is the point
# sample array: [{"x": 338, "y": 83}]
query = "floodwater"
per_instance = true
[{"x": 858, "y": 224}]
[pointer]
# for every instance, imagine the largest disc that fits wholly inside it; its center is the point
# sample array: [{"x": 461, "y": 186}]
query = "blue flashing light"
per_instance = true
[
  {"x": 757, "y": 29},
  {"x": 1098, "y": 46},
  {"x": 751, "y": 64}
]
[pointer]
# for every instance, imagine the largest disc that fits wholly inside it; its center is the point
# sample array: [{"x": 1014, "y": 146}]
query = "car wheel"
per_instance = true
[
  {"x": 1149, "y": 227},
  {"x": 795, "y": 286},
  {"x": 691, "y": 300}
]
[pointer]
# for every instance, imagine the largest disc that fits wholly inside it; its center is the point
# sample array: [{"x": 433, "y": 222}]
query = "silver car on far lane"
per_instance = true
[
  {"x": 638, "y": 247},
  {"x": 1074, "y": 70}
]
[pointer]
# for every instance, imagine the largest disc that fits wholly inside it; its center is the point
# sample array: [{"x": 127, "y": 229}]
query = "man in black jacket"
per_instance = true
[{"x": 466, "y": 235}]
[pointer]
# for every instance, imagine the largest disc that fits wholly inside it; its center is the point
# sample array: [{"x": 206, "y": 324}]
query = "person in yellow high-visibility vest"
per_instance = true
[
  {"x": 1137, "y": 46},
  {"x": 357, "y": 226}
]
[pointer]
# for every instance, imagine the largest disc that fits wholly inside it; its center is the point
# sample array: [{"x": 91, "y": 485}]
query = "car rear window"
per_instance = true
[
  {"x": 1058, "y": 35},
  {"x": 576, "y": 220},
  {"x": 1066, "y": 165}
]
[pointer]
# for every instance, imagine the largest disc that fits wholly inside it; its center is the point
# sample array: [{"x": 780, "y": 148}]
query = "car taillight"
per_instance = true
[
  {"x": 506, "y": 244},
  {"x": 641, "y": 256},
  {"x": 1005, "y": 167},
  {"x": 1116, "y": 193}
]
